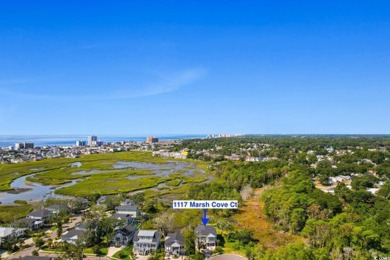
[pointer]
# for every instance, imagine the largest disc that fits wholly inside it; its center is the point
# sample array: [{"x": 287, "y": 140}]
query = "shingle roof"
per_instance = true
[
  {"x": 120, "y": 216},
  {"x": 102, "y": 199},
  {"x": 130, "y": 207},
  {"x": 205, "y": 230},
  {"x": 73, "y": 234},
  {"x": 174, "y": 237},
  {"x": 23, "y": 222},
  {"x": 58, "y": 207},
  {"x": 82, "y": 226},
  {"x": 40, "y": 213},
  {"x": 127, "y": 230},
  {"x": 28, "y": 221}
]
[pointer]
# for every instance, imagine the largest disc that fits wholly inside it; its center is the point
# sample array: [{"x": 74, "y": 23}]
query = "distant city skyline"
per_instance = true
[{"x": 202, "y": 67}]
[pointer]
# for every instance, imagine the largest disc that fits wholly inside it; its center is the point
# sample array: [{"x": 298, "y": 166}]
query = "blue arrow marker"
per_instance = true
[{"x": 205, "y": 220}]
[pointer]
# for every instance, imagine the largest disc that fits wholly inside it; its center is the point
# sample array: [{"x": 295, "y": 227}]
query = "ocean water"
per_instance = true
[{"x": 51, "y": 140}]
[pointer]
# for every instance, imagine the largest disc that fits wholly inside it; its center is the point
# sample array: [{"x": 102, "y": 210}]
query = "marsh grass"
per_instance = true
[
  {"x": 99, "y": 176},
  {"x": 10, "y": 213}
]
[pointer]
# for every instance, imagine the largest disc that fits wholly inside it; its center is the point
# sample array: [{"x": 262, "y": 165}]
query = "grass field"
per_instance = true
[{"x": 252, "y": 217}]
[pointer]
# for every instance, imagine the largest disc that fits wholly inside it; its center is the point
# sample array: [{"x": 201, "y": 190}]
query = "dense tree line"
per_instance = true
[{"x": 349, "y": 224}]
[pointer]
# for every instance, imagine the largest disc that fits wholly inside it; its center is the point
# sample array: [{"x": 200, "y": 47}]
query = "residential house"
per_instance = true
[
  {"x": 82, "y": 226},
  {"x": 28, "y": 223},
  {"x": 125, "y": 218},
  {"x": 206, "y": 237},
  {"x": 57, "y": 209},
  {"x": 41, "y": 214},
  {"x": 123, "y": 236},
  {"x": 72, "y": 236},
  {"x": 10, "y": 232},
  {"x": 101, "y": 200},
  {"x": 77, "y": 204},
  {"x": 128, "y": 209},
  {"x": 174, "y": 244},
  {"x": 146, "y": 241}
]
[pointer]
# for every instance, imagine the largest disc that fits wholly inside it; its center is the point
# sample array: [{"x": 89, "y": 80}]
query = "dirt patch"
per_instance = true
[{"x": 252, "y": 217}]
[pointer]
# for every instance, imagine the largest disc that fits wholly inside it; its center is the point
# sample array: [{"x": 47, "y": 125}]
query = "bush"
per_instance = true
[
  {"x": 219, "y": 250},
  {"x": 21, "y": 202}
]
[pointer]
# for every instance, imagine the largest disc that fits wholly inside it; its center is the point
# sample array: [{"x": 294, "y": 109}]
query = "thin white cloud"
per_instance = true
[{"x": 167, "y": 84}]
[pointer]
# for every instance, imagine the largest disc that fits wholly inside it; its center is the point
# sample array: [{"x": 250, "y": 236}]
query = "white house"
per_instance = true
[
  {"x": 10, "y": 232},
  {"x": 146, "y": 241}
]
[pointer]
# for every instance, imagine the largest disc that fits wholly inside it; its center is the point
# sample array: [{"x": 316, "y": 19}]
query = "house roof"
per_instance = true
[
  {"x": 40, "y": 213},
  {"x": 127, "y": 230},
  {"x": 73, "y": 234},
  {"x": 6, "y": 231},
  {"x": 82, "y": 226},
  {"x": 147, "y": 233},
  {"x": 173, "y": 238},
  {"x": 202, "y": 230},
  {"x": 129, "y": 207},
  {"x": 58, "y": 207},
  {"x": 154, "y": 234},
  {"x": 120, "y": 216},
  {"x": 102, "y": 199},
  {"x": 26, "y": 222}
]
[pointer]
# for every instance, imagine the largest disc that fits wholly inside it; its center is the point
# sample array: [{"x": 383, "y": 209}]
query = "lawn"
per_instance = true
[{"x": 102, "y": 251}]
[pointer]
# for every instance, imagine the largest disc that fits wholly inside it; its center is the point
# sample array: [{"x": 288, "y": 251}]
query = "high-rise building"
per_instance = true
[
  {"x": 81, "y": 143},
  {"x": 151, "y": 140},
  {"x": 92, "y": 140},
  {"x": 24, "y": 145}
]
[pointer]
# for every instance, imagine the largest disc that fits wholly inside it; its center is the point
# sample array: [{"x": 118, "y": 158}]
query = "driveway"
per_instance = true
[{"x": 112, "y": 250}]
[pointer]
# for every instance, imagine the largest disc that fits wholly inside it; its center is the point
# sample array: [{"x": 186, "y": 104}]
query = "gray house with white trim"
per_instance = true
[
  {"x": 206, "y": 237},
  {"x": 174, "y": 244}
]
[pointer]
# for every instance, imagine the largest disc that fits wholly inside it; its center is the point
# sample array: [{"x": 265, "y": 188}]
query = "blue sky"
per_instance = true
[{"x": 181, "y": 67}]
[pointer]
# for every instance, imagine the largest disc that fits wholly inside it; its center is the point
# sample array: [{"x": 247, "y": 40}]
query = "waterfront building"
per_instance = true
[
  {"x": 81, "y": 143},
  {"x": 24, "y": 145},
  {"x": 151, "y": 140},
  {"x": 92, "y": 140}
]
